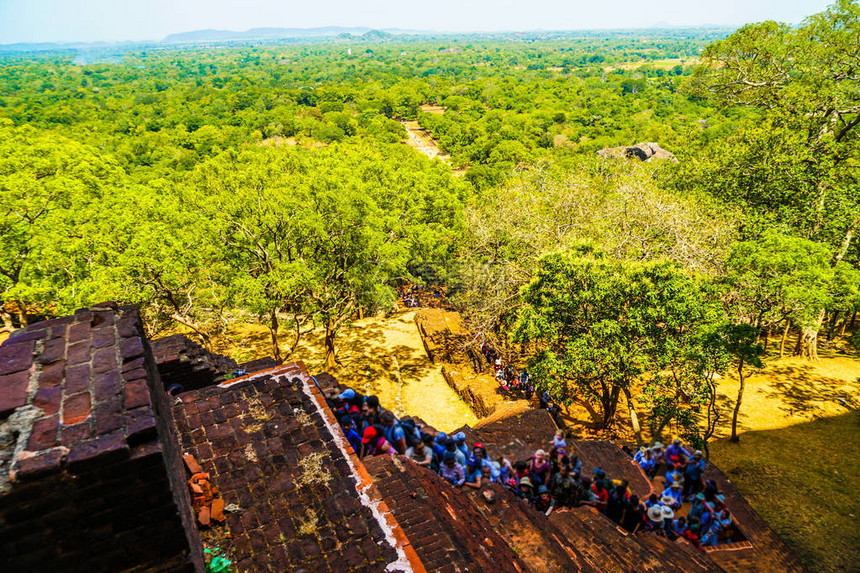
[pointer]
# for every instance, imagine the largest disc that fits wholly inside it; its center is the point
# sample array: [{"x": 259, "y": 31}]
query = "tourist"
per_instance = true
[
  {"x": 487, "y": 476},
  {"x": 460, "y": 442},
  {"x": 564, "y": 487},
  {"x": 524, "y": 489},
  {"x": 480, "y": 452},
  {"x": 451, "y": 470},
  {"x": 506, "y": 469},
  {"x": 679, "y": 526},
  {"x": 439, "y": 446},
  {"x": 676, "y": 454},
  {"x": 451, "y": 447},
  {"x": 584, "y": 494},
  {"x": 539, "y": 466},
  {"x": 544, "y": 501},
  {"x": 616, "y": 503},
  {"x": 559, "y": 442},
  {"x": 393, "y": 432},
  {"x": 673, "y": 493},
  {"x": 693, "y": 473},
  {"x": 420, "y": 454},
  {"x": 375, "y": 443},
  {"x": 601, "y": 495},
  {"x": 645, "y": 460},
  {"x": 668, "y": 501},
  {"x": 668, "y": 517},
  {"x": 351, "y": 433},
  {"x": 473, "y": 472},
  {"x": 654, "y": 518},
  {"x": 370, "y": 410},
  {"x": 634, "y": 515}
]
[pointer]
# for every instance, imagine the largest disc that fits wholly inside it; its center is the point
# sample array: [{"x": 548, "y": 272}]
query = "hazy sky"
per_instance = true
[{"x": 93, "y": 20}]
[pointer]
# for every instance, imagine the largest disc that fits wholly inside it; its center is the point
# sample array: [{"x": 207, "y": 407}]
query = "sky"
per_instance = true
[{"x": 118, "y": 20}]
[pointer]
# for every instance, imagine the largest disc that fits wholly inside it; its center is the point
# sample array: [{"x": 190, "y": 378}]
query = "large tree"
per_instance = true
[
  {"x": 51, "y": 223},
  {"x": 796, "y": 160},
  {"x": 601, "y": 325}
]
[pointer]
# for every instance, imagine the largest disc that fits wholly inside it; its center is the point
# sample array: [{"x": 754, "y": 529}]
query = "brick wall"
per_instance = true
[{"x": 88, "y": 463}]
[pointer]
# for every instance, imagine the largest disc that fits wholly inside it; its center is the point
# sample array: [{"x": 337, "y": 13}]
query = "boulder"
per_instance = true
[{"x": 641, "y": 151}]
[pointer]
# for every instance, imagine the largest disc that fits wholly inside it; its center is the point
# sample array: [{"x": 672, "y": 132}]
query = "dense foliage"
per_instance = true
[{"x": 270, "y": 182}]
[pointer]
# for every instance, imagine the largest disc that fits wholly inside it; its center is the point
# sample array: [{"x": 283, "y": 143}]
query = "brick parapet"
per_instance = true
[{"x": 84, "y": 478}]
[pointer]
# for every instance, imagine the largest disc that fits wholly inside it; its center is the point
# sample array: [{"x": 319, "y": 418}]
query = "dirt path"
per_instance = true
[
  {"x": 378, "y": 355},
  {"x": 421, "y": 140}
]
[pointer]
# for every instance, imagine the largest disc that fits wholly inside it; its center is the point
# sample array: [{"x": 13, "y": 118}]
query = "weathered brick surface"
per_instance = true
[
  {"x": 182, "y": 361},
  {"x": 89, "y": 487},
  {"x": 767, "y": 552},
  {"x": 441, "y": 522},
  {"x": 258, "y": 438},
  {"x": 614, "y": 461}
]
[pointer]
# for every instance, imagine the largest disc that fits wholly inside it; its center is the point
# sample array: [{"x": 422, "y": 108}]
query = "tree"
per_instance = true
[
  {"x": 779, "y": 278},
  {"x": 314, "y": 236},
  {"x": 601, "y": 325},
  {"x": 741, "y": 343},
  {"x": 803, "y": 84},
  {"x": 50, "y": 223}
]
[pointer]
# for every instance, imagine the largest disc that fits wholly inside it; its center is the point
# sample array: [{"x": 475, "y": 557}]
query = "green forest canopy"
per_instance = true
[{"x": 269, "y": 182}]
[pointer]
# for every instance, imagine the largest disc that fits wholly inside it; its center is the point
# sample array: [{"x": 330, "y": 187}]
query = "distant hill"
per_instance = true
[{"x": 261, "y": 34}]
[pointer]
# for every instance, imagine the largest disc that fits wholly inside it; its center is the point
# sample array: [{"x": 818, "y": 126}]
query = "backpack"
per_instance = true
[{"x": 410, "y": 432}]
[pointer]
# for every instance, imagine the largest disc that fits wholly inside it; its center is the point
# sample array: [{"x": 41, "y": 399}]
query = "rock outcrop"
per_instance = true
[{"x": 641, "y": 151}]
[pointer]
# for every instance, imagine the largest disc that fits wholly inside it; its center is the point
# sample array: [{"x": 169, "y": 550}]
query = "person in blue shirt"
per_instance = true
[
  {"x": 672, "y": 493},
  {"x": 351, "y": 434},
  {"x": 645, "y": 460},
  {"x": 693, "y": 474},
  {"x": 460, "y": 442},
  {"x": 393, "y": 432},
  {"x": 676, "y": 454},
  {"x": 473, "y": 472}
]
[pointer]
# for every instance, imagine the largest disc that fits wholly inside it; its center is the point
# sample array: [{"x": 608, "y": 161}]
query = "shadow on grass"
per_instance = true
[
  {"x": 803, "y": 391},
  {"x": 803, "y": 480}
]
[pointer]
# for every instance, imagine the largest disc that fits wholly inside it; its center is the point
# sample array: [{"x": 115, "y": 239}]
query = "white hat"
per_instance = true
[
  {"x": 667, "y": 500},
  {"x": 667, "y": 512},
  {"x": 655, "y": 513},
  {"x": 657, "y": 446}
]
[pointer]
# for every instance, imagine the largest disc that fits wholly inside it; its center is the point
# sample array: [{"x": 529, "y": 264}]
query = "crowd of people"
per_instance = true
[
  {"x": 517, "y": 383},
  {"x": 549, "y": 481},
  {"x": 415, "y": 296}
]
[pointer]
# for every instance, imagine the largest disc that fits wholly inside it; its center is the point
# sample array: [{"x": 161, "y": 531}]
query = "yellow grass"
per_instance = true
[{"x": 377, "y": 355}]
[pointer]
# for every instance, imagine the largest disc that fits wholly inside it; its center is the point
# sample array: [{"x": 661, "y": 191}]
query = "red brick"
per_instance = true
[
  {"x": 106, "y": 385},
  {"x": 29, "y": 333},
  {"x": 52, "y": 374},
  {"x": 109, "y": 417},
  {"x": 141, "y": 425},
  {"x": 128, "y": 326},
  {"x": 76, "y": 408},
  {"x": 78, "y": 332},
  {"x": 137, "y": 363},
  {"x": 136, "y": 393},
  {"x": 32, "y": 466},
  {"x": 71, "y": 435},
  {"x": 13, "y": 391},
  {"x": 16, "y": 356},
  {"x": 77, "y": 378},
  {"x": 45, "y": 434},
  {"x": 104, "y": 359},
  {"x": 103, "y": 337},
  {"x": 48, "y": 399},
  {"x": 78, "y": 353},
  {"x": 100, "y": 450},
  {"x": 54, "y": 349},
  {"x": 131, "y": 348},
  {"x": 102, "y": 318}
]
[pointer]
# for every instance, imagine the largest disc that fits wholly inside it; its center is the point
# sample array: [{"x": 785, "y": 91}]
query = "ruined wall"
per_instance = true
[{"x": 89, "y": 465}]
